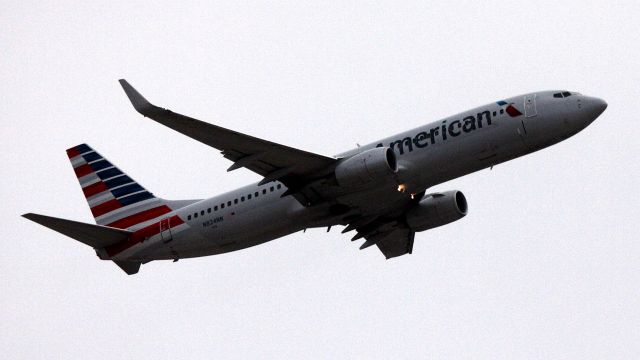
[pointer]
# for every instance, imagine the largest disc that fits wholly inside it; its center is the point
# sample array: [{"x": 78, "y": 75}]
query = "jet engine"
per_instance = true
[
  {"x": 370, "y": 166},
  {"x": 436, "y": 210}
]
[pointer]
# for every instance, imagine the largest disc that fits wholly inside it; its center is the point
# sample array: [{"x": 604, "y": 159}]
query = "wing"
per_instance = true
[
  {"x": 392, "y": 237},
  {"x": 294, "y": 168}
]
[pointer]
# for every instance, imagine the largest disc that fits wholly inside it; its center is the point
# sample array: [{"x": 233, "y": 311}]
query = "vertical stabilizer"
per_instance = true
[{"x": 115, "y": 199}]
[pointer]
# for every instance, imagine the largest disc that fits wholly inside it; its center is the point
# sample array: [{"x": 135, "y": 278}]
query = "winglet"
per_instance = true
[{"x": 142, "y": 105}]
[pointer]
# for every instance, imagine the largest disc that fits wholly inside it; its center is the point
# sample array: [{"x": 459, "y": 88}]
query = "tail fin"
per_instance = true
[{"x": 115, "y": 199}]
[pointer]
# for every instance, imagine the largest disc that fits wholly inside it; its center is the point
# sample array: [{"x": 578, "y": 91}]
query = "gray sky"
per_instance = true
[{"x": 546, "y": 265}]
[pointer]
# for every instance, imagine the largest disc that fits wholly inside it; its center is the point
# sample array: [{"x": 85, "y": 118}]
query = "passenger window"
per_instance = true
[
  {"x": 189, "y": 217},
  {"x": 271, "y": 189},
  {"x": 501, "y": 111},
  {"x": 209, "y": 210},
  {"x": 222, "y": 206},
  {"x": 257, "y": 193},
  {"x": 264, "y": 191},
  {"x": 215, "y": 208},
  {"x": 242, "y": 198},
  {"x": 229, "y": 203},
  {"x": 279, "y": 186},
  {"x": 202, "y": 212},
  {"x": 195, "y": 216},
  {"x": 249, "y": 196},
  {"x": 235, "y": 201}
]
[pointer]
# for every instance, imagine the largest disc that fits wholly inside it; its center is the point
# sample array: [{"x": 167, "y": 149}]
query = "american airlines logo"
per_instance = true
[
  {"x": 511, "y": 110},
  {"x": 440, "y": 133},
  {"x": 450, "y": 129}
]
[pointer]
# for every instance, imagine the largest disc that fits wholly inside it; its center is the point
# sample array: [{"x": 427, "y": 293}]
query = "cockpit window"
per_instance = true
[{"x": 563, "y": 94}]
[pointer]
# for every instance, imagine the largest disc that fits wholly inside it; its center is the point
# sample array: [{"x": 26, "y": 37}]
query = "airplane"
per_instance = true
[{"x": 378, "y": 190}]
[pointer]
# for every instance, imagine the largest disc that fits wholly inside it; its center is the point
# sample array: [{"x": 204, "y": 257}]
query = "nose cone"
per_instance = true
[
  {"x": 587, "y": 110},
  {"x": 595, "y": 106}
]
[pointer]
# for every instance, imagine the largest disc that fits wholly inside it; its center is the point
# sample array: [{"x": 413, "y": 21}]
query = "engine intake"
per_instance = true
[
  {"x": 436, "y": 210},
  {"x": 376, "y": 165}
]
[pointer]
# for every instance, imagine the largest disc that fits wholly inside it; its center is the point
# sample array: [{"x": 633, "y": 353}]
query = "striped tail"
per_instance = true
[{"x": 115, "y": 199}]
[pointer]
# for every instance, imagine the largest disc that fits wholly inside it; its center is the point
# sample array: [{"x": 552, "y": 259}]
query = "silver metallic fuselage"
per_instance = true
[{"x": 424, "y": 160}]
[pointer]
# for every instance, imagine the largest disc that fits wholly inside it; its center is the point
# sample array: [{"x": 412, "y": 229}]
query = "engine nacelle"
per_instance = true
[
  {"x": 370, "y": 166},
  {"x": 436, "y": 210}
]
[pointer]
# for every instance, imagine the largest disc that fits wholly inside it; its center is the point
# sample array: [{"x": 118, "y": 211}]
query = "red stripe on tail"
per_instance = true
[
  {"x": 141, "y": 235},
  {"x": 94, "y": 189},
  {"x": 140, "y": 217},
  {"x": 105, "y": 207},
  {"x": 83, "y": 170},
  {"x": 71, "y": 153}
]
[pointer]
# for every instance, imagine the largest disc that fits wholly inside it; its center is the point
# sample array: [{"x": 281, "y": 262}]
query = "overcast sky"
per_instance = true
[{"x": 546, "y": 264}]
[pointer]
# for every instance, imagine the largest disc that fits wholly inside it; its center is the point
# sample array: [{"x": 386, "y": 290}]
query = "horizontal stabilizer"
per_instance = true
[{"x": 96, "y": 236}]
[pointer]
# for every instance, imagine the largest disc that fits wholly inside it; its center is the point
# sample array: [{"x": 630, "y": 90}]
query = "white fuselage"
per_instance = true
[{"x": 428, "y": 155}]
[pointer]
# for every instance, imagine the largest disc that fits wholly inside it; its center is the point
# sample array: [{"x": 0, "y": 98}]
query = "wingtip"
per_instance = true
[
  {"x": 138, "y": 101},
  {"x": 32, "y": 217}
]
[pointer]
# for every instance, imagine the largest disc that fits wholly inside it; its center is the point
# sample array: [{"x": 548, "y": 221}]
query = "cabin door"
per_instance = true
[
  {"x": 530, "y": 106},
  {"x": 165, "y": 230}
]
